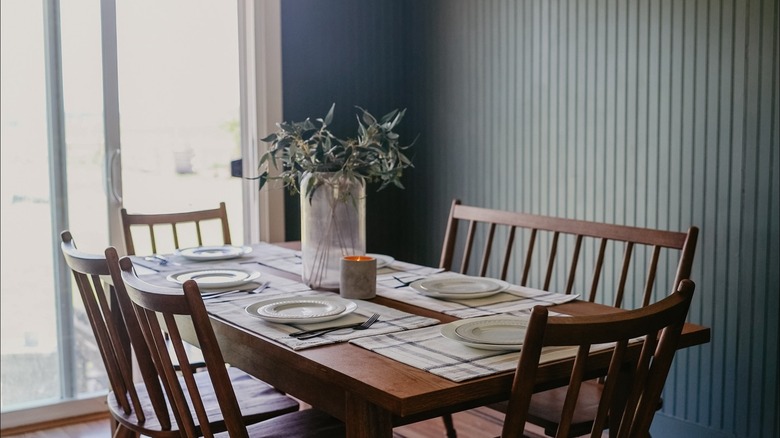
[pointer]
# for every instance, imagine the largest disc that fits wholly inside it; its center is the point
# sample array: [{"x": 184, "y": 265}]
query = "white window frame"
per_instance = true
[{"x": 260, "y": 59}]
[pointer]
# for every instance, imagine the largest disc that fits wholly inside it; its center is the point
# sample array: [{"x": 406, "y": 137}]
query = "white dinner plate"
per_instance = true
[
  {"x": 382, "y": 260},
  {"x": 215, "y": 278},
  {"x": 494, "y": 330},
  {"x": 301, "y": 310},
  {"x": 221, "y": 252},
  {"x": 459, "y": 287},
  {"x": 485, "y": 337}
]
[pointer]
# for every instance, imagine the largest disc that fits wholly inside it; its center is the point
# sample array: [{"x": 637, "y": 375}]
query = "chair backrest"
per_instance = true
[
  {"x": 112, "y": 332},
  {"x": 589, "y": 244},
  {"x": 154, "y": 305},
  {"x": 170, "y": 226},
  {"x": 658, "y": 326}
]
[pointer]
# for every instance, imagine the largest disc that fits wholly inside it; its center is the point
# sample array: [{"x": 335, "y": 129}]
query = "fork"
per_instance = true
[
  {"x": 361, "y": 326},
  {"x": 405, "y": 283}
]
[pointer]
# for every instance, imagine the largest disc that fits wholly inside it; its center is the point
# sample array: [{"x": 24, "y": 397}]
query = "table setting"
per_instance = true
[
  {"x": 282, "y": 314},
  {"x": 465, "y": 296},
  {"x": 275, "y": 307},
  {"x": 415, "y": 355}
]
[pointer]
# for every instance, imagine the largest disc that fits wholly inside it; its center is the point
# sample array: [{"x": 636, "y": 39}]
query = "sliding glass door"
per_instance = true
[
  {"x": 29, "y": 348},
  {"x": 172, "y": 128},
  {"x": 179, "y": 103}
]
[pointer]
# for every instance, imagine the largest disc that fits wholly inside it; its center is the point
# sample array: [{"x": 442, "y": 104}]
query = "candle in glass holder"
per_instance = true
[{"x": 358, "y": 277}]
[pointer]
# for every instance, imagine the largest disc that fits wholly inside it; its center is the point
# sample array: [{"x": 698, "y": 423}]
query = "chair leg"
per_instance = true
[
  {"x": 449, "y": 426},
  {"x": 123, "y": 432}
]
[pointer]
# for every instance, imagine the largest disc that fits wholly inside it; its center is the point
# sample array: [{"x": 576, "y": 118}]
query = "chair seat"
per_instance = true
[
  {"x": 545, "y": 408},
  {"x": 309, "y": 423},
  {"x": 258, "y": 401}
]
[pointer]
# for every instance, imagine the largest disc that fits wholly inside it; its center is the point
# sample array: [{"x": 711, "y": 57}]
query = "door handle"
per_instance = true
[{"x": 111, "y": 182}]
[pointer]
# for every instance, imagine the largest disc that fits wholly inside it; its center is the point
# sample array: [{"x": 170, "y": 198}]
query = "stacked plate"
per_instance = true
[
  {"x": 462, "y": 287},
  {"x": 222, "y": 252},
  {"x": 382, "y": 260},
  {"x": 215, "y": 278},
  {"x": 301, "y": 310},
  {"x": 488, "y": 333}
]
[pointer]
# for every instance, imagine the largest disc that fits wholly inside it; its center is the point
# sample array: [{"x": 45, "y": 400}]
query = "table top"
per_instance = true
[{"x": 378, "y": 392}]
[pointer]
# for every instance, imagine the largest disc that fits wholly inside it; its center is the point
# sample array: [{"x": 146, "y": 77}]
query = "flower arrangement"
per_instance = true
[{"x": 375, "y": 155}]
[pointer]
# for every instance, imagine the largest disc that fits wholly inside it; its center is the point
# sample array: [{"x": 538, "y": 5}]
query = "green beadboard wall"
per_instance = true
[{"x": 649, "y": 113}]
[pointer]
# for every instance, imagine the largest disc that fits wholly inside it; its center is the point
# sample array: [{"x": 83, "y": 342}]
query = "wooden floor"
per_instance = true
[{"x": 476, "y": 423}]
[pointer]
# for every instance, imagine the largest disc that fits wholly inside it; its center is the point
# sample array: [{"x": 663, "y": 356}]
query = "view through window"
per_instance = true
[{"x": 179, "y": 119}]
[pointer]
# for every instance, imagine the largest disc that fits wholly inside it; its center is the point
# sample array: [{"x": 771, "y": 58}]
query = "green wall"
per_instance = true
[{"x": 651, "y": 113}]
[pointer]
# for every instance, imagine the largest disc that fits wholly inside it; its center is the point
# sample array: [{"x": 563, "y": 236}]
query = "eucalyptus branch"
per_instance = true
[{"x": 375, "y": 155}]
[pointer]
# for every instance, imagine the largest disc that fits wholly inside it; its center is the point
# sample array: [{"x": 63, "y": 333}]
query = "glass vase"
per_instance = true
[{"x": 333, "y": 225}]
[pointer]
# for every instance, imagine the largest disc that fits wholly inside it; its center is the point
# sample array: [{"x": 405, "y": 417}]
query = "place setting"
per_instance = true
[
  {"x": 215, "y": 278},
  {"x": 294, "y": 315},
  {"x": 502, "y": 333},
  {"x": 184, "y": 257},
  {"x": 214, "y": 281},
  {"x": 310, "y": 318},
  {"x": 459, "y": 287},
  {"x": 213, "y": 253},
  {"x": 382, "y": 260},
  {"x": 467, "y": 296},
  {"x": 463, "y": 349}
]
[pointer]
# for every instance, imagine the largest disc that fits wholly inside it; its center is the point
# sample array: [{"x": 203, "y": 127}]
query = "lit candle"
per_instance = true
[{"x": 358, "y": 277}]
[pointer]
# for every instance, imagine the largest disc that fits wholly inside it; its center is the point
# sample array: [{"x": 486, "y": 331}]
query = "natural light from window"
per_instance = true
[{"x": 179, "y": 119}]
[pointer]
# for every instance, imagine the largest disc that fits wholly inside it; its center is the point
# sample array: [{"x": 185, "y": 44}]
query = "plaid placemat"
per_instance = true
[
  {"x": 517, "y": 300},
  {"x": 264, "y": 253},
  {"x": 289, "y": 260},
  {"x": 231, "y": 308},
  {"x": 428, "y": 350},
  {"x": 284, "y": 259}
]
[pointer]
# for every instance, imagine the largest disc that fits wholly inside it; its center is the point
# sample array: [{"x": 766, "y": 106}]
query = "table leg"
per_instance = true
[{"x": 365, "y": 419}]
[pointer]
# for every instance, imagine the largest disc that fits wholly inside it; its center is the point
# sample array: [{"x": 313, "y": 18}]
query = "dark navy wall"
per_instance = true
[
  {"x": 653, "y": 113},
  {"x": 352, "y": 53}
]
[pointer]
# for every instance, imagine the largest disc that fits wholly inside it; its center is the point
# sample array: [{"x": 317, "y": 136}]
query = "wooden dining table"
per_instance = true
[{"x": 372, "y": 393}]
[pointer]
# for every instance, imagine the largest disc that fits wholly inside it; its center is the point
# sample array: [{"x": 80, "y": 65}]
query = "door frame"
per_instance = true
[{"x": 260, "y": 59}]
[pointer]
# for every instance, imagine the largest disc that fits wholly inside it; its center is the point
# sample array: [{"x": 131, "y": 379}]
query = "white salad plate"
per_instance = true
[
  {"x": 222, "y": 252},
  {"x": 382, "y": 260},
  {"x": 459, "y": 287},
  {"x": 215, "y": 278},
  {"x": 301, "y": 310},
  {"x": 488, "y": 333}
]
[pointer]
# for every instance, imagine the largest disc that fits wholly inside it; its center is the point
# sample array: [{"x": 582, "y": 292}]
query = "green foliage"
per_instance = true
[{"x": 375, "y": 155}]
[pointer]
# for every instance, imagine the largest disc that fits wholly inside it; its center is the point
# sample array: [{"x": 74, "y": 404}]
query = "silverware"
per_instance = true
[
  {"x": 157, "y": 259},
  {"x": 253, "y": 290},
  {"x": 405, "y": 283},
  {"x": 307, "y": 334}
]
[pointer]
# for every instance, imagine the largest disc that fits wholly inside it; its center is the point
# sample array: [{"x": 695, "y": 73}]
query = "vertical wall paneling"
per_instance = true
[{"x": 656, "y": 113}]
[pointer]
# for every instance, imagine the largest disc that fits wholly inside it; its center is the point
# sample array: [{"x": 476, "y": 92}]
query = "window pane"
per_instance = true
[
  {"x": 28, "y": 325},
  {"x": 82, "y": 82},
  {"x": 179, "y": 106}
]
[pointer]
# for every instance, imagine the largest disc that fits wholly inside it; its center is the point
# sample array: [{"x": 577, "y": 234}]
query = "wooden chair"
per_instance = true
[
  {"x": 140, "y": 408},
  {"x": 156, "y": 306},
  {"x": 569, "y": 256},
  {"x": 177, "y": 230},
  {"x": 158, "y": 224},
  {"x": 633, "y": 383}
]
